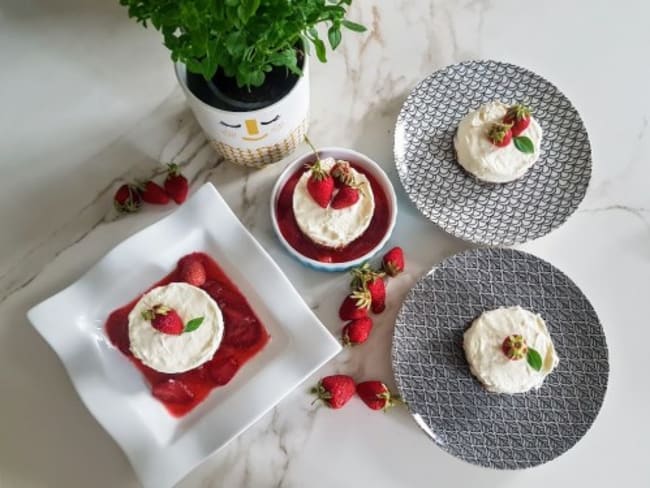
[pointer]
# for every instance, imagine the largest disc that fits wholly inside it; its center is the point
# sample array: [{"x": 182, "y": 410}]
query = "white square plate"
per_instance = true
[{"x": 161, "y": 448}]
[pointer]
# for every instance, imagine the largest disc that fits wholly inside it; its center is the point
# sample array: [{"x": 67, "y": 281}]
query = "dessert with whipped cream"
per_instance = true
[
  {"x": 331, "y": 226},
  {"x": 498, "y": 143},
  {"x": 173, "y": 352},
  {"x": 190, "y": 333},
  {"x": 332, "y": 210},
  {"x": 509, "y": 350}
]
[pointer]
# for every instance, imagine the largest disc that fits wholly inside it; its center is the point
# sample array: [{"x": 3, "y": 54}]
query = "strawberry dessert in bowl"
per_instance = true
[{"x": 333, "y": 208}]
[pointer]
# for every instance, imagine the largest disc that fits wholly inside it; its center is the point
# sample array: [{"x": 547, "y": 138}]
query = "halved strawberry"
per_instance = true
[
  {"x": 241, "y": 330},
  {"x": 172, "y": 391},
  {"x": 345, "y": 197}
]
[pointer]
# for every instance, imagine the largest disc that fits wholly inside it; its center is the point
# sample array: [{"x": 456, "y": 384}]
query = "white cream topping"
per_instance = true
[
  {"x": 483, "y": 159},
  {"x": 328, "y": 226},
  {"x": 169, "y": 353},
  {"x": 483, "y": 340}
]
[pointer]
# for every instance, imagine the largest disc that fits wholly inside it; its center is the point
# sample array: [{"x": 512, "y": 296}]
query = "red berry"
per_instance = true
[
  {"x": 164, "y": 319},
  {"x": 127, "y": 199},
  {"x": 519, "y": 117},
  {"x": 223, "y": 368},
  {"x": 241, "y": 330},
  {"x": 376, "y": 395},
  {"x": 335, "y": 390},
  {"x": 393, "y": 261},
  {"x": 355, "y": 305},
  {"x": 153, "y": 193},
  {"x": 377, "y": 289},
  {"x": 356, "y": 331},
  {"x": 172, "y": 391},
  {"x": 320, "y": 185},
  {"x": 345, "y": 197},
  {"x": 176, "y": 184},
  {"x": 191, "y": 270},
  {"x": 500, "y": 134},
  {"x": 342, "y": 174}
]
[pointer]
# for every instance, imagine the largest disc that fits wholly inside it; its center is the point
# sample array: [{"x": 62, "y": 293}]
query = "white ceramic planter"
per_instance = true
[{"x": 259, "y": 137}]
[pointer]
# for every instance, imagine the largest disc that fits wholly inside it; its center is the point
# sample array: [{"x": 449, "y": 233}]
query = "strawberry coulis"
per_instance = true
[
  {"x": 304, "y": 245},
  {"x": 244, "y": 336}
]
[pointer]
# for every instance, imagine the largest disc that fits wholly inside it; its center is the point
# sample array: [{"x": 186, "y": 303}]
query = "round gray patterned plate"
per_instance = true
[
  {"x": 488, "y": 213},
  {"x": 489, "y": 429}
]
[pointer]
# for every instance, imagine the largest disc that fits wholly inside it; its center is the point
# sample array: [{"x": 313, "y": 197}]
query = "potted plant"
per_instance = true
[{"x": 243, "y": 65}]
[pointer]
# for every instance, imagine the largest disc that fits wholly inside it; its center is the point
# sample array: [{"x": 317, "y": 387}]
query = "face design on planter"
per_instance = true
[{"x": 251, "y": 129}]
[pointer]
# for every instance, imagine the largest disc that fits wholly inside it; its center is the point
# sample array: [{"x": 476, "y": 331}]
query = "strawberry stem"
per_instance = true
[{"x": 313, "y": 148}]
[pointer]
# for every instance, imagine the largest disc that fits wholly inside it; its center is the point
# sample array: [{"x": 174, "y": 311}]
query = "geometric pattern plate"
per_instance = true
[
  {"x": 497, "y": 430},
  {"x": 489, "y": 213}
]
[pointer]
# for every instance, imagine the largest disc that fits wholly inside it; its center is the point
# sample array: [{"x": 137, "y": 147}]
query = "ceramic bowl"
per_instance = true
[{"x": 357, "y": 158}]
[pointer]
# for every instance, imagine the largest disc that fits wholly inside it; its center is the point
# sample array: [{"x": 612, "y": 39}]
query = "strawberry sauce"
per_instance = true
[
  {"x": 362, "y": 245},
  {"x": 244, "y": 336}
]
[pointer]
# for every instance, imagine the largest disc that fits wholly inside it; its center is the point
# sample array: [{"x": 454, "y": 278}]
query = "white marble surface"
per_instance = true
[{"x": 88, "y": 99}]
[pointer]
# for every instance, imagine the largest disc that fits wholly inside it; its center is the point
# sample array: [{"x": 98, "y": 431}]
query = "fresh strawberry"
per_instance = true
[
  {"x": 365, "y": 278},
  {"x": 519, "y": 116},
  {"x": 320, "y": 184},
  {"x": 164, "y": 319},
  {"x": 127, "y": 199},
  {"x": 356, "y": 332},
  {"x": 176, "y": 184},
  {"x": 334, "y": 390},
  {"x": 153, "y": 193},
  {"x": 376, "y": 395},
  {"x": 345, "y": 197},
  {"x": 514, "y": 347},
  {"x": 172, "y": 391},
  {"x": 342, "y": 174},
  {"x": 393, "y": 261},
  {"x": 355, "y": 305},
  {"x": 500, "y": 134},
  {"x": 191, "y": 270}
]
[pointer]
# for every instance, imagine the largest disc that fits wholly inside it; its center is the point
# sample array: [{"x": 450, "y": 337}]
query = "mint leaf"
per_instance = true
[
  {"x": 353, "y": 26},
  {"x": 534, "y": 359},
  {"x": 193, "y": 324},
  {"x": 524, "y": 144}
]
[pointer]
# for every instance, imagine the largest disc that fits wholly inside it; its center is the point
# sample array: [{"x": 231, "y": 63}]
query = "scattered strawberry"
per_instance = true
[
  {"x": 342, "y": 174},
  {"x": 345, "y": 197},
  {"x": 355, "y": 305},
  {"x": 356, "y": 332},
  {"x": 514, "y": 347},
  {"x": 192, "y": 271},
  {"x": 127, "y": 199},
  {"x": 365, "y": 278},
  {"x": 334, "y": 390},
  {"x": 519, "y": 117},
  {"x": 152, "y": 192},
  {"x": 393, "y": 261},
  {"x": 500, "y": 134},
  {"x": 172, "y": 391},
  {"x": 164, "y": 319},
  {"x": 377, "y": 395},
  {"x": 320, "y": 184},
  {"x": 176, "y": 184}
]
